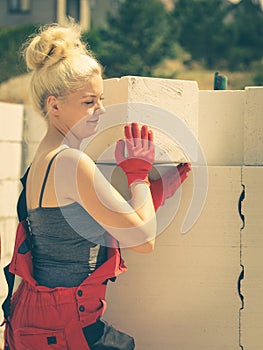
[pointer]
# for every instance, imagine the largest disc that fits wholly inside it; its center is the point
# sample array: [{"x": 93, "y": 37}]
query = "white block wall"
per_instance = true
[
  {"x": 201, "y": 289},
  {"x": 11, "y": 120},
  {"x": 251, "y": 234},
  {"x": 190, "y": 293},
  {"x": 184, "y": 295},
  {"x": 34, "y": 130}
]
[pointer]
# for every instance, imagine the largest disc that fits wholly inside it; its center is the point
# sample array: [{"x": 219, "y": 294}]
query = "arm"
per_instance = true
[{"x": 132, "y": 223}]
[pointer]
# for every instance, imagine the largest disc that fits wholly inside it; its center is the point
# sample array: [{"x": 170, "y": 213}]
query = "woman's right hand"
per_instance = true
[
  {"x": 166, "y": 186},
  {"x": 140, "y": 153}
]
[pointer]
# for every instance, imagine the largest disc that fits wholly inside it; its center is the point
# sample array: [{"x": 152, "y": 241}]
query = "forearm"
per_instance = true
[
  {"x": 141, "y": 201},
  {"x": 136, "y": 165}
]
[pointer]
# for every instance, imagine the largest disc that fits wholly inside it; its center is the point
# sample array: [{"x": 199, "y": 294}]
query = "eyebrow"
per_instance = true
[{"x": 91, "y": 95}]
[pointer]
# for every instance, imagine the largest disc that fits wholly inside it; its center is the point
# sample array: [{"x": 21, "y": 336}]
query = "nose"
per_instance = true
[{"x": 99, "y": 111}]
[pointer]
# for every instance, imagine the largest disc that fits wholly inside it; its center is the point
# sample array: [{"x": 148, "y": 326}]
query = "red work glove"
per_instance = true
[
  {"x": 167, "y": 185},
  {"x": 140, "y": 149}
]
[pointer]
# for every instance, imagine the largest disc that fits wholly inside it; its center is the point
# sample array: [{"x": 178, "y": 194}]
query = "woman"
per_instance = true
[{"x": 76, "y": 220}]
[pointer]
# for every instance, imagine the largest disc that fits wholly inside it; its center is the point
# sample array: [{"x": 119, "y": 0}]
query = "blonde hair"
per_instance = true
[{"x": 60, "y": 63}]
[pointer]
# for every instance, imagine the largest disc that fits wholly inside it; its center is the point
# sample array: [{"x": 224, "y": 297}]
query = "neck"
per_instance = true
[{"x": 56, "y": 138}]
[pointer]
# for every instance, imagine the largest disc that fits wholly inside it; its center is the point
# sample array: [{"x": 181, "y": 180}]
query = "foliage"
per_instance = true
[
  {"x": 11, "y": 39},
  {"x": 201, "y": 29},
  {"x": 218, "y": 33},
  {"x": 247, "y": 35},
  {"x": 257, "y": 68},
  {"x": 135, "y": 41},
  {"x": 94, "y": 43}
]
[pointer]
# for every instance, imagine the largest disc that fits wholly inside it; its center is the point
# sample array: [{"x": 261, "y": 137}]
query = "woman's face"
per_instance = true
[{"x": 79, "y": 112}]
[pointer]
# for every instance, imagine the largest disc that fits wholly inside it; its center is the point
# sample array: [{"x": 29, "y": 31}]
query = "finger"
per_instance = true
[
  {"x": 188, "y": 166},
  {"x": 129, "y": 138},
  {"x": 144, "y": 136},
  {"x": 150, "y": 141},
  {"x": 184, "y": 168},
  {"x": 181, "y": 168},
  {"x": 135, "y": 130},
  {"x": 150, "y": 135},
  {"x": 144, "y": 132},
  {"x": 128, "y": 131},
  {"x": 185, "y": 172},
  {"x": 119, "y": 151},
  {"x": 136, "y": 134}
]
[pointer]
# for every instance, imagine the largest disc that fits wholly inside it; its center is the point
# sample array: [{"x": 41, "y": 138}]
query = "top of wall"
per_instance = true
[
  {"x": 231, "y": 126},
  {"x": 227, "y": 124}
]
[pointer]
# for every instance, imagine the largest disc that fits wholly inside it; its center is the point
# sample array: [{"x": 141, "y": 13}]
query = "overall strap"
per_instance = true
[
  {"x": 21, "y": 203},
  {"x": 22, "y": 216},
  {"x": 46, "y": 177}
]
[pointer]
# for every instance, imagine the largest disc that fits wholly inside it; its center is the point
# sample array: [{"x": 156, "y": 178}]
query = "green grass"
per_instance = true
[{"x": 205, "y": 78}]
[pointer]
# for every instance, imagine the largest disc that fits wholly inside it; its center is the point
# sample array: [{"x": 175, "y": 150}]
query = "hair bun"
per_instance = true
[{"x": 53, "y": 44}]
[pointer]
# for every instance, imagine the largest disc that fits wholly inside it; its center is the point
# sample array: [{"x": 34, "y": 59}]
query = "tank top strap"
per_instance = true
[{"x": 46, "y": 176}]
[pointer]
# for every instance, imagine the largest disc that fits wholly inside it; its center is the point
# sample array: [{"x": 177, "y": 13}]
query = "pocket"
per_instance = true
[
  {"x": 103, "y": 336},
  {"x": 29, "y": 338},
  {"x": 94, "y": 305},
  {"x": 91, "y": 310}
]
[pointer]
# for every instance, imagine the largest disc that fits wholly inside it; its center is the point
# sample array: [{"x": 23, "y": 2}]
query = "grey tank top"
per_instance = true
[{"x": 68, "y": 244}]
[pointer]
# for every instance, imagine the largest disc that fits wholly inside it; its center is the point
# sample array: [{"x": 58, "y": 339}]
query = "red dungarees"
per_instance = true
[
  {"x": 55, "y": 316},
  {"x": 42, "y": 318}
]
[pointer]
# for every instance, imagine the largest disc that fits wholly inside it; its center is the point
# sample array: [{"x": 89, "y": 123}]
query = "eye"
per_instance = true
[
  {"x": 89, "y": 102},
  {"x": 102, "y": 98}
]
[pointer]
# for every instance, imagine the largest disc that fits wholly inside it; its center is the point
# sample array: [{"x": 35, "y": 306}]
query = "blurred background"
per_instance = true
[{"x": 179, "y": 39}]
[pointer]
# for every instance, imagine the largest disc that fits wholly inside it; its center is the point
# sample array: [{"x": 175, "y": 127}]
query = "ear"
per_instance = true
[{"x": 52, "y": 105}]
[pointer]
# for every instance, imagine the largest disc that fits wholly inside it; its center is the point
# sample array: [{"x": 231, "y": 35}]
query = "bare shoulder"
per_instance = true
[
  {"x": 74, "y": 155},
  {"x": 76, "y": 163}
]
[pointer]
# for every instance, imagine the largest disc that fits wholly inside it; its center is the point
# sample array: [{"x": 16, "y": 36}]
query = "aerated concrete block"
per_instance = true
[
  {"x": 184, "y": 295},
  {"x": 9, "y": 192},
  {"x": 221, "y": 119},
  {"x": 8, "y": 228},
  {"x": 11, "y": 116},
  {"x": 11, "y": 159},
  {"x": 34, "y": 130},
  {"x": 252, "y": 259},
  {"x": 253, "y": 126},
  {"x": 168, "y": 106}
]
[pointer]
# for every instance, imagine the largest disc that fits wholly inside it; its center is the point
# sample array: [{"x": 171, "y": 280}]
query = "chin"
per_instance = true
[{"x": 91, "y": 132}]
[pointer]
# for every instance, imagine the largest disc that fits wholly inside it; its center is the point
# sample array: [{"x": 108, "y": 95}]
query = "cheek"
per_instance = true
[
  {"x": 79, "y": 117},
  {"x": 89, "y": 114},
  {"x": 84, "y": 128}
]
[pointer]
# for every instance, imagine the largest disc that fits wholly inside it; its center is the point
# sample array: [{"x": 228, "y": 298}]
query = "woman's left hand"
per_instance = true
[{"x": 140, "y": 152}]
